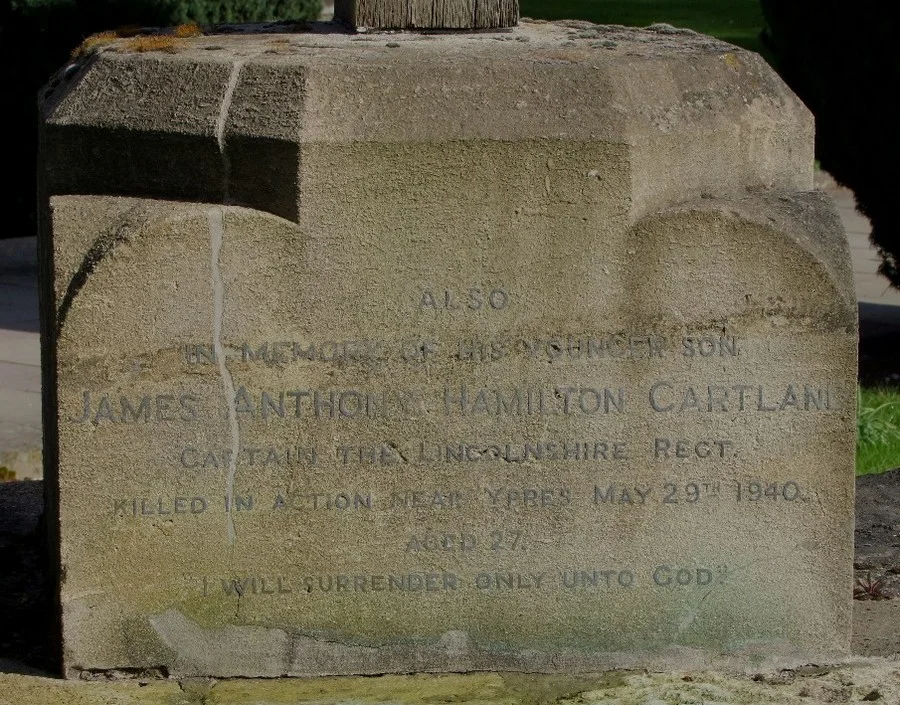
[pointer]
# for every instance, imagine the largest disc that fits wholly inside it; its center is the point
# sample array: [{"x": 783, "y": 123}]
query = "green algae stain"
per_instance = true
[
  {"x": 471, "y": 688},
  {"x": 35, "y": 690},
  {"x": 613, "y": 688},
  {"x": 538, "y": 689}
]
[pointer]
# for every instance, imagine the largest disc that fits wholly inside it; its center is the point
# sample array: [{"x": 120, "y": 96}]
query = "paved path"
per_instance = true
[
  {"x": 20, "y": 410},
  {"x": 20, "y": 359},
  {"x": 871, "y": 287},
  {"x": 879, "y": 303}
]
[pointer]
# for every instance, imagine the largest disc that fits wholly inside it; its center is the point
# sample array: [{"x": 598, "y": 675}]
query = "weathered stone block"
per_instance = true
[{"x": 526, "y": 351}]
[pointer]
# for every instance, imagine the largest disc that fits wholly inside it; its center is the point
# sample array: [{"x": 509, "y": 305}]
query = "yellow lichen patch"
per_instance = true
[
  {"x": 191, "y": 29},
  {"x": 92, "y": 43},
  {"x": 158, "y": 42},
  {"x": 731, "y": 61},
  {"x": 279, "y": 45}
]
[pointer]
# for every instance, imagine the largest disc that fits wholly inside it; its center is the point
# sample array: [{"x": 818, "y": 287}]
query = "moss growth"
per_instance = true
[
  {"x": 93, "y": 43},
  {"x": 141, "y": 39},
  {"x": 852, "y": 684},
  {"x": 493, "y": 688},
  {"x": 191, "y": 29},
  {"x": 539, "y": 689},
  {"x": 158, "y": 42}
]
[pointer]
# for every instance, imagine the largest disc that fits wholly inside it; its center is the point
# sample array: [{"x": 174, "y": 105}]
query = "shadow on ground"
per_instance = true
[{"x": 27, "y": 615}]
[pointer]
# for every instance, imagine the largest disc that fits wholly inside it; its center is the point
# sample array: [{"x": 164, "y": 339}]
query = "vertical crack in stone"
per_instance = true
[
  {"x": 216, "y": 220},
  {"x": 221, "y": 124}
]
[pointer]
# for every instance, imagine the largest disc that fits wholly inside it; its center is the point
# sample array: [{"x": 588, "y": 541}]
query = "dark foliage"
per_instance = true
[
  {"x": 841, "y": 58},
  {"x": 36, "y": 39}
]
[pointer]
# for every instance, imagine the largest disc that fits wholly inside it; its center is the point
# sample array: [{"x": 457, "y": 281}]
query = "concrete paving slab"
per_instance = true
[
  {"x": 18, "y": 306},
  {"x": 17, "y": 437},
  {"x": 871, "y": 287},
  {"x": 18, "y": 254},
  {"x": 23, "y": 280},
  {"x": 20, "y": 359},
  {"x": 861, "y": 265},
  {"x": 21, "y": 347},
  {"x": 20, "y": 377},
  {"x": 866, "y": 250},
  {"x": 863, "y": 261},
  {"x": 20, "y": 407},
  {"x": 854, "y": 222},
  {"x": 21, "y": 457}
]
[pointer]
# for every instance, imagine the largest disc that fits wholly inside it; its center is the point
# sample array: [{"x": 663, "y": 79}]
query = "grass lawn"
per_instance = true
[
  {"x": 735, "y": 21},
  {"x": 878, "y": 447}
]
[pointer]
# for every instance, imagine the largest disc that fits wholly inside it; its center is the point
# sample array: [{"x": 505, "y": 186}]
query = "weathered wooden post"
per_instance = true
[{"x": 428, "y": 14}]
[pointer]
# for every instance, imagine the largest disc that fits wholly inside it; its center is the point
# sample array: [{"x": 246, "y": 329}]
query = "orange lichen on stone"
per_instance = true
[
  {"x": 92, "y": 43},
  {"x": 279, "y": 45},
  {"x": 191, "y": 29},
  {"x": 158, "y": 42}
]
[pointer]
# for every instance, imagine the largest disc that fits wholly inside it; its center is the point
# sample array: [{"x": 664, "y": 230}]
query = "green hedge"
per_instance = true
[
  {"x": 36, "y": 39},
  {"x": 841, "y": 58},
  {"x": 206, "y": 12}
]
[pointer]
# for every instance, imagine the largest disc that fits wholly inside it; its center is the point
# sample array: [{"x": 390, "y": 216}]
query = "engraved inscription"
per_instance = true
[
  {"x": 466, "y": 400},
  {"x": 531, "y": 401},
  {"x": 203, "y": 458},
  {"x": 569, "y": 579},
  {"x": 495, "y": 540},
  {"x": 472, "y": 299},
  {"x": 493, "y": 498},
  {"x": 582, "y": 347},
  {"x": 682, "y": 448},
  {"x": 145, "y": 409},
  {"x": 668, "y": 397},
  {"x": 508, "y": 478}
]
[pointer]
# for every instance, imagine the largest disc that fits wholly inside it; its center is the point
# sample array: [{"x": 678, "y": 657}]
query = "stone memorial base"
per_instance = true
[{"x": 372, "y": 353}]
